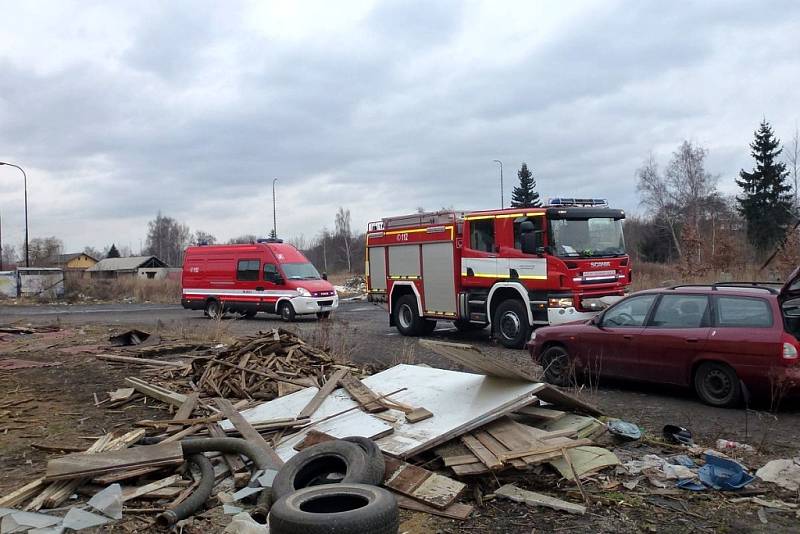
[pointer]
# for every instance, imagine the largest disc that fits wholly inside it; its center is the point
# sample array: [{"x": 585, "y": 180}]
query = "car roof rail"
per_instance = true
[{"x": 733, "y": 285}]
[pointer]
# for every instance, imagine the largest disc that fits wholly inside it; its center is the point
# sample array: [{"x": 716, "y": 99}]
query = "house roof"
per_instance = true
[
  {"x": 127, "y": 264},
  {"x": 65, "y": 258}
]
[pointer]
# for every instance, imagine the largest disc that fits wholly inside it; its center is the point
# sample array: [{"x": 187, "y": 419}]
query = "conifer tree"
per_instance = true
[
  {"x": 525, "y": 195},
  {"x": 113, "y": 252},
  {"x": 766, "y": 202}
]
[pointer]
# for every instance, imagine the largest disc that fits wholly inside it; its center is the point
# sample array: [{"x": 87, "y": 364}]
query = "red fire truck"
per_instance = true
[{"x": 512, "y": 269}]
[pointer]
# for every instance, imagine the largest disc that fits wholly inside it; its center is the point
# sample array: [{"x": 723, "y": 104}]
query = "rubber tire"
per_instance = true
[
  {"x": 213, "y": 309},
  {"x": 323, "y": 315},
  {"x": 286, "y": 311},
  {"x": 377, "y": 463},
  {"x": 416, "y": 325},
  {"x": 318, "y": 459},
  {"x": 550, "y": 354},
  {"x": 724, "y": 372},
  {"x": 379, "y": 516},
  {"x": 517, "y": 308},
  {"x": 466, "y": 326}
]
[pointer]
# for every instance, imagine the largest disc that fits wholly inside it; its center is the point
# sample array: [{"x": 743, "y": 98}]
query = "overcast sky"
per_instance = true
[{"x": 120, "y": 109}]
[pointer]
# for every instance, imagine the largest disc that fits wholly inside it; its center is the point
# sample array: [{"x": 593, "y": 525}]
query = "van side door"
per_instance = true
[{"x": 247, "y": 280}]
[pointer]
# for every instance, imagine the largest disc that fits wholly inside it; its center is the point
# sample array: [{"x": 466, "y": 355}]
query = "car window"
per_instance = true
[
  {"x": 482, "y": 235},
  {"x": 247, "y": 270},
  {"x": 743, "y": 311},
  {"x": 270, "y": 272},
  {"x": 681, "y": 311},
  {"x": 629, "y": 312}
]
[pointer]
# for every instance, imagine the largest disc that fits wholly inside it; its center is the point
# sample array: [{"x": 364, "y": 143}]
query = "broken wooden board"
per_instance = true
[
  {"x": 554, "y": 445},
  {"x": 509, "y": 491},
  {"x": 234, "y": 461},
  {"x": 135, "y": 493},
  {"x": 516, "y": 437},
  {"x": 361, "y": 393},
  {"x": 413, "y": 415},
  {"x": 541, "y": 414},
  {"x": 466, "y": 470},
  {"x": 472, "y": 358},
  {"x": 553, "y": 395},
  {"x": 184, "y": 412},
  {"x": 462, "y": 459},
  {"x": 586, "y": 460},
  {"x": 156, "y": 392},
  {"x": 321, "y": 394},
  {"x": 431, "y": 488},
  {"x": 248, "y": 432},
  {"x": 498, "y": 448},
  {"x": 481, "y": 452},
  {"x": 82, "y": 465},
  {"x": 457, "y": 510},
  {"x": 22, "y": 494},
  {"x": 285, "y": 388},
  {"x": 141, "y": 361},
  {"x": 582, "y": 426}
]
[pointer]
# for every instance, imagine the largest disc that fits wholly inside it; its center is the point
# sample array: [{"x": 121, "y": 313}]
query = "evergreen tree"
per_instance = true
[
  {"x": 272, "y": 234},
  {"x": 766, "y": 202},
  {"x": 525, "y": 196},
  {"x": 113, "y": 252}
]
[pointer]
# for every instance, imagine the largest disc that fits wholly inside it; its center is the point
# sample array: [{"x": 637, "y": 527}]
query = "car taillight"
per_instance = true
[{"x": 789, "y": 351}]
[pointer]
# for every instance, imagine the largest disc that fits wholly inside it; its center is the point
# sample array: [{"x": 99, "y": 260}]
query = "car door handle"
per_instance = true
[
  {"x": 628, "y": 336},
  {"x": 259, "y": 288},
  {"x": 691, "y": 340}
]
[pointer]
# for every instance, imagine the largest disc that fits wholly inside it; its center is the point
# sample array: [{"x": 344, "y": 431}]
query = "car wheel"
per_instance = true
[
  {"x": 339, "y": 508},
  {"x": 557, "y": 366},
  {"x": 510, "y": 324},
  {"x": 213, "y": 309},
  {"x": 287, "y": 312},
  {"x": 323, "y": 315},
  {"x": 466, "y": 326},
  {"x": 406, "y": 317},
  {"x": 717, "y": 384}
]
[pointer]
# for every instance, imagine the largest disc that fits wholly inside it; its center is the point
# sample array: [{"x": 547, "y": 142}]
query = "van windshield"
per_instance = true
[{"x": 300, "y": 271}]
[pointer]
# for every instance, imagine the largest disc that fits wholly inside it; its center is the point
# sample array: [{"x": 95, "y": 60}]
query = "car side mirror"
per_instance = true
[
  {"x": 324, "y": 276},
  {"x": 278, "y": 280},
  {"x": 596, "y": 320}
]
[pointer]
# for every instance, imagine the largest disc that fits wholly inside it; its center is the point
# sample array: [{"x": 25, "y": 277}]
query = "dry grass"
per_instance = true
[
  {"x": 650, "y": 275},
  {"x": 127, "y": 289}
]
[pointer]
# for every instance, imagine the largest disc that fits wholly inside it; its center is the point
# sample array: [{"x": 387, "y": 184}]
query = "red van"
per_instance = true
[{"x": 269, "y": 276}]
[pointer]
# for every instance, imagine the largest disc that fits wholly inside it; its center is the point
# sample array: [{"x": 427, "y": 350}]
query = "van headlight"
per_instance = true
[{"x": 303, "y": 292}]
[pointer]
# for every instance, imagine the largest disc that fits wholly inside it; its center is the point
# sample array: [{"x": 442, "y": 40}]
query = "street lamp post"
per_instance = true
[
  {"x": 25, "y": 183},
  {"x": 502, "y": 204},
  {"x": 274, "y": 217}
]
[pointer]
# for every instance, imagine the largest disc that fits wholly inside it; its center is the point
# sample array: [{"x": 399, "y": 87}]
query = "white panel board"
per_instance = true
[
  {"x": 354, "y": 423},
  {"x": 438, "y": 278},
  {"x": 404, "y": 260},
  {"x": 377, "y": 267}
]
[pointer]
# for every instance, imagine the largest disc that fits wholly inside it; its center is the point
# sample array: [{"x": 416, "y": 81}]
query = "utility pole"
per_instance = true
[
  {"x": 502, "y": 204},
  {"x": 274, "y": 217},
  {"x": 25, "y": 182}
]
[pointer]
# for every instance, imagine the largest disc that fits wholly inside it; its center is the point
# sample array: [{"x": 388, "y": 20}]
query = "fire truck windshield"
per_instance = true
[
  {"x": 587, "y": 238},
  {"x": 300, "y": 271}
]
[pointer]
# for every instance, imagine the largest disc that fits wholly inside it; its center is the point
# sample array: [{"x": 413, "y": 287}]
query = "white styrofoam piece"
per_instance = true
[
  {"x": 459, "y": 402},
  {"x": 18, "y": 521},
  {"x": 108, "y": 501},
  {"x": 77, "y": 519},
  {"x": 353, "y": 423}
]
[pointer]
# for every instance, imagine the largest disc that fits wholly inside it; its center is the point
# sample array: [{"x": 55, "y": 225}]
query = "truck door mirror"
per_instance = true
[
  {"x": 277, "y": 279},
  {"x": 324, "y": 276},
  {"x": 531, "y": 243}
]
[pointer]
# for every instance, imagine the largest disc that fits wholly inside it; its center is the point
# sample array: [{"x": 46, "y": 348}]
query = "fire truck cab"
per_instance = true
[{"x": 512, "y": 269}]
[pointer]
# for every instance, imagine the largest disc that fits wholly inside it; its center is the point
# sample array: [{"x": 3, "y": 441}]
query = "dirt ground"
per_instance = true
[{"x": 55, "y": 405}]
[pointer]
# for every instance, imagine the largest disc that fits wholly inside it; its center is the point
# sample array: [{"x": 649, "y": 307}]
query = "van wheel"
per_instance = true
[
  {"x": 213, "y": 309},
  {"x": 406, "y": 318},
  {"x": 510, "y": 324},
  {"x": 287, "y": 312},
  {"x": 717, "y": 384}
]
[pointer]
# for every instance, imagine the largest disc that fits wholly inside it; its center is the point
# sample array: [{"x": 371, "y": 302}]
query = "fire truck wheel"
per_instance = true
[
  {"x": 286, "y": 311},
  {"x": 406, "y": 318},
  {"x": 510, "y": 324},
  {"x": 213, "y": 310}
]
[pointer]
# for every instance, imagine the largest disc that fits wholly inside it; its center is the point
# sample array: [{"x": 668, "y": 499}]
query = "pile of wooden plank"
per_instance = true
[{"x": 265, "y": 366}]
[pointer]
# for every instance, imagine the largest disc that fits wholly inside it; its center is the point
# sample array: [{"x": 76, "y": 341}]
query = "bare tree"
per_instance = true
[
  {"x": 9, "y": 255},
  {"x": 44, "y": 250},
  {"x": 204, "y": 237},
  {"x": 300, "y": 242},
  {"x": 167, "y": 239},
  {"x": 243, "y": 239},
  {"x": 793, "y": 160},
  {"x": 656, "y": 195},
  {"x": 344, "y": 233},
  {"x": 689, "y": 183}
]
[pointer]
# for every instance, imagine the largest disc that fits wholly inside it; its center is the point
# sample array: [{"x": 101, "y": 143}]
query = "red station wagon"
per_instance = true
[{"x": 710, "y": 337}]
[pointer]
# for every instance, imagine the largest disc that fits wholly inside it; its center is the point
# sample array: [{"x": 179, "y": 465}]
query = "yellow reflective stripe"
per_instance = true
[
  {"x": 526, "y": 277},
  {"x": 405, "y": 277},
  {"x": 415, "y": 230},
  {"x": 509, "y": 215},
  {"x": 446, "y": 314},
  {"x": 478, "y": 217},
  {"x": 537, "y": 214},
  {"x": 533, "y": 277}
]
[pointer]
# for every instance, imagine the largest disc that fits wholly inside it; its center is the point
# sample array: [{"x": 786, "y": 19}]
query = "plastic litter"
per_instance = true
[
  {"x": 267, "y": 478},
  {"x": 244, "y": 524},
  {"x": 681, "y": 459},
  {"x": 229, "y": 509},
  {"x": 17, "y": 521},
  {"x": 678, "y": 434},
  {"x": 245, "y": 492},
  {"x": 727, "y": 445},
  {"x": 77, "y": 519},
  {"x": 723, "y": 474},
  {"x": 624, "y": 430},
  {"x": 108, "y": 501}
]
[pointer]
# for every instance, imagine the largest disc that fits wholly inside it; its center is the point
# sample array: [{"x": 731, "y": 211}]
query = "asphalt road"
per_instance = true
[{"x": 361, "y": 330}]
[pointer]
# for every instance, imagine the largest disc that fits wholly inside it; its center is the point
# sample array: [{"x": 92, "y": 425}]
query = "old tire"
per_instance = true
[
  {"x": 717, "y": 384},
  {"x": 213, "y": 309},
  {"x": 375, "y": 460},
  {"x": 510, "y": 324},
  {"x": 312, "y": 465},
  {"x": 336, "y": 509},
  {"x": 286, "y": 311},
  {"x": 557, "y": 366},
  {"x": 406, "y": 317}
]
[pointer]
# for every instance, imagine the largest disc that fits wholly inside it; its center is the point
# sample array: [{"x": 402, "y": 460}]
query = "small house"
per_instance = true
[
  {"x": 78, "y": 261},
  {"x": 149, "y": 267}
]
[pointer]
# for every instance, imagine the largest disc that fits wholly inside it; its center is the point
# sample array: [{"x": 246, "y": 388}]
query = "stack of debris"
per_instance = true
[{"x": 467, "y": 424}]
